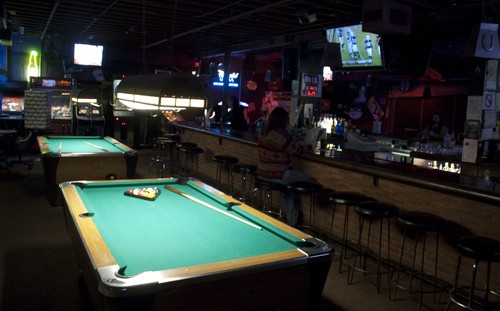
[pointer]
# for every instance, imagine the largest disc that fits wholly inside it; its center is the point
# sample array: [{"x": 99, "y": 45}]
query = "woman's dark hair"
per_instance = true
[
  {"x": 234, "y": 99},
  {"x": 278, "y": 119}
]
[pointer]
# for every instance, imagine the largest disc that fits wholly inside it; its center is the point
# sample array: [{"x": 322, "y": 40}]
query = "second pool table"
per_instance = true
[
  {"x": 176, "y": 253},
  {"x": 67, "y": 158}
]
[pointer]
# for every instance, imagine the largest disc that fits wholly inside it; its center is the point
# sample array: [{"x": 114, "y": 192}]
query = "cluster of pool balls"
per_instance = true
[{"x": 149, "y": 193}]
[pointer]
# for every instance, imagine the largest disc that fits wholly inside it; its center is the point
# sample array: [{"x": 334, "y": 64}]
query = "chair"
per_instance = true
[
  {"x": 479, "y": 249},
  {"x": 23, "y": 145}
]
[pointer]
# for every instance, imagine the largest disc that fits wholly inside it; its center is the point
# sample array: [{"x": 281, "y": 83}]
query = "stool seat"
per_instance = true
[
  {"x": 269, "y": 185},
  {"x": 192, "y": 150},
  {"x": 304, "y": 187},
  {"x": 347, "y": 197},
  {"x": 376, "y": 209},
  {"x": 479, "y": 248},
  {"x": 224, "y": 159},
  {"x": 172, "y": 136},
  {"x": 421, "y": 221},
  {"x": 241, "y": 168},
  {"x": 186, "y": 145}
]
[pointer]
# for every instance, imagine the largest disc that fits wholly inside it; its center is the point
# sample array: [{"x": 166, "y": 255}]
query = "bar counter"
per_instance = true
[{"x": 462, "y": 200}]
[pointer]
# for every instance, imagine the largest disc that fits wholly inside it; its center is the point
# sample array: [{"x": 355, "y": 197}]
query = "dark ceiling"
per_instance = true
[{"x": 213, "y": 25}]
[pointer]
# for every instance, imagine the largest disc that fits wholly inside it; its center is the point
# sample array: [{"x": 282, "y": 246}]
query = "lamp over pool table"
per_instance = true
[{"x": 175, "y": 91}]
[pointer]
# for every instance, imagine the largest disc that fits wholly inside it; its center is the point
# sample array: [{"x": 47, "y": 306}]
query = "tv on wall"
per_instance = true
[
  {"x": 87, "y": 55},
  {"x": 358, "y": 49}
]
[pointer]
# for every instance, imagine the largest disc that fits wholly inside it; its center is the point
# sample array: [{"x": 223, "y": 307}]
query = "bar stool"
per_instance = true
[
  {"x": 159, "y": 157},
  {"x": 173, "y": 136},
  {"x": 263, "y": 196},
  {"x": 418, "y": 224},
  {"x": 180, "y": 155},
  {"x": 307, "y": 188},
  {"x": 224, "y": 162},
  {"x": 190, "y": 160},
  {"x": 246, "y": 171},
  {"x": 168, "y": 147},
  {"x": 479, "y": 249},
  {"x": 346, "y": 199},
  {"x": 370, "y": 211}
]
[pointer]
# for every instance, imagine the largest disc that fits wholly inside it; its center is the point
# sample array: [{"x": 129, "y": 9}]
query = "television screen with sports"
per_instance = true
[
  {"x": 88, "y": 55},
  {"x": 358, "y": 49},
  {"x": 12, "y": 104}
]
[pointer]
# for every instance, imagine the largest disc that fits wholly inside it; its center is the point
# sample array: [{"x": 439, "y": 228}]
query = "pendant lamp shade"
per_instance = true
[{"x": 175, "y": 91}]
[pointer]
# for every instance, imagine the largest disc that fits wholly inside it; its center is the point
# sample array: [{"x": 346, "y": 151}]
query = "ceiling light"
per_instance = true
[{"x": 174, "y": 91}]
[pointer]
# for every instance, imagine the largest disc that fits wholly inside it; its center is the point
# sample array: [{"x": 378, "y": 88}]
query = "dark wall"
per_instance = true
[{"x": 57, "y": 58}]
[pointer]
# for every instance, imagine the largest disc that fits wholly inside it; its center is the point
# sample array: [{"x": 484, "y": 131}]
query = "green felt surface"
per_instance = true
[
  {"x": 77, "y": 144},
  {"x": 173, "y": 231}
]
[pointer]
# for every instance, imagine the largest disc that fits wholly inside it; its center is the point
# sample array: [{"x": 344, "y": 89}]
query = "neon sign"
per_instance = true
[
  {"x": 232, "y": 81},
  {"x": 33, "y": 69}
]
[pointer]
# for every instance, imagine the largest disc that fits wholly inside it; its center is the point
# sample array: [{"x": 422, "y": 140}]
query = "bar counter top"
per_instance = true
[{"x": 364, "y": 163}]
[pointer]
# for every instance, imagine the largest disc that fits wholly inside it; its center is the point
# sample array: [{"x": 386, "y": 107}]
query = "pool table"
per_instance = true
[
  {"x": 190, "y": 248},
  {"x": 67, "y": 158}
]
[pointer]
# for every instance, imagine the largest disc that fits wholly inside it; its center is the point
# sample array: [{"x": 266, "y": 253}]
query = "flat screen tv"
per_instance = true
[
  {"x": 358, "y": 49},
  {"x": 11, "y": 104},
  {"x": 87, "y": 55}
]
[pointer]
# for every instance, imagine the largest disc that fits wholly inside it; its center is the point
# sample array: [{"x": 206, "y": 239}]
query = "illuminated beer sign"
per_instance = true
[
  {"x": 232, "y": 81},
  {"x": 311, "y": 85}
]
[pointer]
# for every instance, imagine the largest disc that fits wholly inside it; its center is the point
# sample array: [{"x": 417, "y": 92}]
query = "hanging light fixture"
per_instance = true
[{"x": 174, "y": 91}]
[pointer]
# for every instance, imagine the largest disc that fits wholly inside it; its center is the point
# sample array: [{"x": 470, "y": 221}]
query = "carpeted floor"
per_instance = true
[{"x": 39, "y": 270}]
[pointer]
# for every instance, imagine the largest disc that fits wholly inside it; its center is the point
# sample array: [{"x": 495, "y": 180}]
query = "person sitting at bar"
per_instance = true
[
  {"x": 236, "y": 115},
  {"x": 435, "y": 129},
  {"x": 275, "y": 150}
]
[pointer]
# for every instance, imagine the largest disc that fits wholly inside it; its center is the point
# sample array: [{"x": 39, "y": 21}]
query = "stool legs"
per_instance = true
[
  {"x": 345, "y": 240},
  {"x": 218, "y": 176},
  {"x": 360, "y": 258},
  {"x": 243, "y": 190},
  {"x": 468, "y": 302},
  {"x": 409, "y": 287},
  {"x": 158, "y": 159}
]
